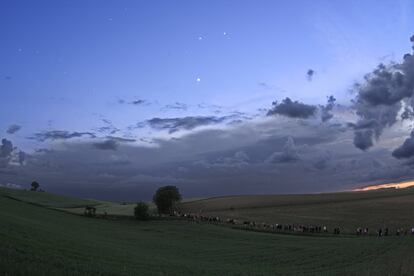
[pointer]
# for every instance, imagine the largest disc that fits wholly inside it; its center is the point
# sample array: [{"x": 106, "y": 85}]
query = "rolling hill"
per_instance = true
[
  {"x": 40, "y": 240},
  {"x": 390, "y": 208}
]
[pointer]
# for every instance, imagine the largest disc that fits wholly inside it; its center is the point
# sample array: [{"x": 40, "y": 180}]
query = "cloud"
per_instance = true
[
  {"x": 326, "y": 113},
  {"x": 309, "y": 74},
  {"x": 184, "y": 123},
  {"x": 110, "y": 144},
  {"x": 323, "y": 161},
  {"x": 293, "y": 109},
  {"x": 10, "y": 155},
  {"x": 13, "y": 129},
  {"x": 60, "y": 135},
  {"x": 176, "y": 106},
  {"x": 22, "y": 157},
  {"x": 139, "y": 102},
  {"x": 380, "y": 97},
  {"x": 264, "y": 85},
  {"x": 289, "y": 153},
  {"x": 406, "y": 150},
  {"x": 134, "y": 102},
  {"x": 109, "y": 128},
  {"x": 234, "y": 163},
  {"x": 364, "y": 139},
  {"x": 121, "y": 139},
  {"x": 239, "y": 159},
  {"x": 6, "y": 148}
]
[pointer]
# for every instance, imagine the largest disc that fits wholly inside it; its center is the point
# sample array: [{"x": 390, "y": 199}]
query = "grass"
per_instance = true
[
  {"x": 35, "y": 240},
  {"x": 374, "y": 209},
  {"x": 70, "y": 204}
]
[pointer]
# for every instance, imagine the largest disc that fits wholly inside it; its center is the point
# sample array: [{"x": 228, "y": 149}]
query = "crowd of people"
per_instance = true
[{"x": 294, "y": 228}]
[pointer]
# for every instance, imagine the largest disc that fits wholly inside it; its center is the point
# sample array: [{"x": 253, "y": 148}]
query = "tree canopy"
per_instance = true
[
  {"x": 165, "y": 199},
  {"x": 35, "y": 186}
]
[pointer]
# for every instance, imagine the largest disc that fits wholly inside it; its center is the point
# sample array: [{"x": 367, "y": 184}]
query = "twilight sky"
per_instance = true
[{"x": 112, "y": 99}]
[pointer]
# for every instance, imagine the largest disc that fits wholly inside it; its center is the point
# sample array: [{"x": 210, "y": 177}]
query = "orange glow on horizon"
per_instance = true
[{"x": 400, "y": 185}]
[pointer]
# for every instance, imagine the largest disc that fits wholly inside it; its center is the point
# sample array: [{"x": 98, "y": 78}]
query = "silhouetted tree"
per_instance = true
[
  {"x": 165, "y": 199},
  {"x": 35, "y": 186},
  {"x": 141, "y": 211}
]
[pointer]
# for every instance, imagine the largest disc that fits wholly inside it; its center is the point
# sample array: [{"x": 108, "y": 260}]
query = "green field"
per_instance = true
[
  {"x": 392, "y": 208},
  {"x": 36, "y": 239},
  {"x": 69, "y": 204}
]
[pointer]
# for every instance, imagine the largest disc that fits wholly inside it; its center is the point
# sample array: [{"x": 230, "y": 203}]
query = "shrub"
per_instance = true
[
  {"x": 34, "y": 186},
  {"x": 141, "y": 211}
]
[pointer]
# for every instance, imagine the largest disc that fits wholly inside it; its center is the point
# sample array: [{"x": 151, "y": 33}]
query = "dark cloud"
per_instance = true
[
  {"x": 13, "y": 129},
  {"x": 364, "y": 139},
  {"x": 234, "y": 163},
  {"x": 6, "y": 148},
  {"x": 408, "y": 113},
  {"x": 139, "y": 102},
  {"x": 60, "y": 135},
  {"x": 183, "y": 123},
  {"x": 326, "y": 113},
  {"x": 110, "y": 144},
  {"x": 134, "y": 102},
  {"x": 293, "y": 109},
  {"x": 406, "y": 150},
  {"x": 379, "y": 99},
  {"x": 121, "y": 139},
  {"x": 309, "y": 74}
]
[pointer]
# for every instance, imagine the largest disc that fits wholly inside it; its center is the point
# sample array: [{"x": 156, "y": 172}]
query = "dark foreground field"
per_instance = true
[{"x": 36, "y": 240}]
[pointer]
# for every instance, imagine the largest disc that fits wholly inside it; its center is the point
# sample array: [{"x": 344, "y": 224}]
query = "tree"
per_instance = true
[
  {"x": 35, "y": 186},
  {"x": 141, "y": 211},
  {"x": 165, "y": 199}
]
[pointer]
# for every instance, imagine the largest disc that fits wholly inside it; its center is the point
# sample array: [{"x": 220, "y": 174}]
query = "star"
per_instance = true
[
  {"x": 200, "y": 38},
  {"x": 198, "y": 79}
]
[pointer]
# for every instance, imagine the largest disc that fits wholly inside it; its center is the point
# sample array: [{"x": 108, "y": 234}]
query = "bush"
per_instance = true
[
  {"x": 34, "y": 186},
  {"x": 165, "y": 199},
  {"x": 141, "y": 211}
]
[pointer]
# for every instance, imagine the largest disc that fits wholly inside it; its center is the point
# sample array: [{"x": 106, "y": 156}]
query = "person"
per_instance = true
[
  {"x": 412, "y": 231},
  {"x": 386, "y": 232}
]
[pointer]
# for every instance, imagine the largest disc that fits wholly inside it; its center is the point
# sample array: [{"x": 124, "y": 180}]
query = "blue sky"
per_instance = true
[
  {"x": 78, "y": 57},
  {"x": 67, "y": 65}
]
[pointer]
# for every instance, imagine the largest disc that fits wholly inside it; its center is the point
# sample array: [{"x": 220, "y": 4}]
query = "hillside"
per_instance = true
[
  {"x": 348, "y": 210},
  {"x": 35, "y": 240},
  {"x": 69, "y": 204}
]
